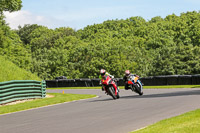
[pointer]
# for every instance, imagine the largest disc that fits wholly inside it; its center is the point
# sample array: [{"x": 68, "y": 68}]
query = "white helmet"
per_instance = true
[
  {"x": 102, "y": 72},
  {"x": 127, "y": 72}
]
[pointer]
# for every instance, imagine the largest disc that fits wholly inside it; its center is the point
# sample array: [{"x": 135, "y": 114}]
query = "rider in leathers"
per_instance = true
[
  {"x": 126, "y": 77},
  {"x": 102, "y": 74}
]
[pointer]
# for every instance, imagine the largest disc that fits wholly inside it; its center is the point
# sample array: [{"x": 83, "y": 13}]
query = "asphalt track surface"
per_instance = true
[{"x": 103, "y": 114}]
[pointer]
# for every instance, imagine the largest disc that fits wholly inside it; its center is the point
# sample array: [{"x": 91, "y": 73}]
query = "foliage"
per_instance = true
[
  {"x": 10, "y": 5},
  {"x": 160, "y": 46},
  {"x": 12, "y": 47},
  {"x": 24, "y": 33}
]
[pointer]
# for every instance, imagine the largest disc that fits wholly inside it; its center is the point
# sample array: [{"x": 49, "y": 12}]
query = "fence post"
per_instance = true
[{"x": 43, "y": 88}]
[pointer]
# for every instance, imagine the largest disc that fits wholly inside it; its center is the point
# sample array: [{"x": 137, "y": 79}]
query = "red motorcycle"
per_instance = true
[{"x": 110, "y": 87}]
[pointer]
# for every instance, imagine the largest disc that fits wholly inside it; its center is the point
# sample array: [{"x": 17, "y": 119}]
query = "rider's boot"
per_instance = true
[{"x": 126, "y": 87}]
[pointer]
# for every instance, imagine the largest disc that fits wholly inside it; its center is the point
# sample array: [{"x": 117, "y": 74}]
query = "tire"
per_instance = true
[
  {"x": 112, "y": 92},
  {"x": 118, "y": 95},
  {"x": 132, "y": 87},
  {"x": 138, "y": 89}
]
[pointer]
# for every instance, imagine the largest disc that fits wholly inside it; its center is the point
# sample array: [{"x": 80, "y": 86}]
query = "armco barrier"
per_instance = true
[
  {"x": 160, "y": 80},
  {"x": 147, "y": 81},
  {"x": 65, "y": 83},
  {"x": 95, "y": 82},
  {"x": 21, "y": 89},
  {"x": 84, "y": 82},
  {"x": 120, "y": 82},
  {"x": 52, "y": 83},
  {"x": 172, "y": 79},
  {"x": 184, "y": 80},
  {"x": 196, "y": 79}
]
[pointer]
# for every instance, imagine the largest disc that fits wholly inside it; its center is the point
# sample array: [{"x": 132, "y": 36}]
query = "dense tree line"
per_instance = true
[
  {"x": 11, "y": 45},
  {"x": 160, "y": 46}
]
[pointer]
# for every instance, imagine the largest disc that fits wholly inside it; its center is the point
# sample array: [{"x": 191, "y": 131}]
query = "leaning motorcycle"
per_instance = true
[
  {"x": 135, "y": 84},
  {"x": 110, "y": 87}
]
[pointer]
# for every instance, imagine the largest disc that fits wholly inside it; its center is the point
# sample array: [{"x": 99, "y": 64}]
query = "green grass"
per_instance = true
[
  {"x": 185, "y": 123},
  {"x": 145, "y": 87},
  {"x": 10, "y": 71},
  {"x": 98, "y": 87},
  {"x": 58, "y": 98}
]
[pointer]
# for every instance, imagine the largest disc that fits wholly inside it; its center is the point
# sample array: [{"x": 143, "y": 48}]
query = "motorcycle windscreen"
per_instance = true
[{"x": 135, "y": 79}]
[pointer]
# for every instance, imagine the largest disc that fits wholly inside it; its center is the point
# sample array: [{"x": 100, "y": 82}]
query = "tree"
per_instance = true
[
  {"x": 161, "y": 46},
  {"x": 10, "y": 5},
  {"x": 24, "y": 32}
]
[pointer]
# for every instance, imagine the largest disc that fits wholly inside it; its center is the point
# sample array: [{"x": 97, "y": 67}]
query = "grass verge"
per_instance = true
[
  {"x": 57, "y": 98},
  {"x": 10, "y": 71},
  {"x": 185, "y": 123},
  {"x": 145, "y": 87}
]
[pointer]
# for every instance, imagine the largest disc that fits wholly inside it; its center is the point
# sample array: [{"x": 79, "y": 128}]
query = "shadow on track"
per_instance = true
[
  {"x": 101, "y": 100},
  {"x": 171, "y": 94}
]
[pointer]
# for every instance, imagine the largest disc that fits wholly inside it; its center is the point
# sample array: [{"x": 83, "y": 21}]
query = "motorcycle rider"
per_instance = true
[
  {"x": 104, "y": 73},
  {"x": 127, "y": 75}
]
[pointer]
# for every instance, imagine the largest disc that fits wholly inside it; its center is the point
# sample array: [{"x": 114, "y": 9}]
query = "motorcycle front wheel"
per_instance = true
[
  {"x": 139, "y": 89},
  {"x": 112, "y": 92}
]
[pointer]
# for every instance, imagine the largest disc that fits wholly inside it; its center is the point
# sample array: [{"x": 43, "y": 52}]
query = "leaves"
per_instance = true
[
  {"x": 10, "y": 5},
  {"x": 160, "y": 46}
]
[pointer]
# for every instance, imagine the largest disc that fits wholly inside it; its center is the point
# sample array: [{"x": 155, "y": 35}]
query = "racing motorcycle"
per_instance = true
[
  {"x": 135, "y": 84},
  {"x": 110, "y": 87}
]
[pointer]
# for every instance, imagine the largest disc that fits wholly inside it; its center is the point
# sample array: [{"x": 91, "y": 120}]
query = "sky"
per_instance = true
[{"x": 78, "y": 14}]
